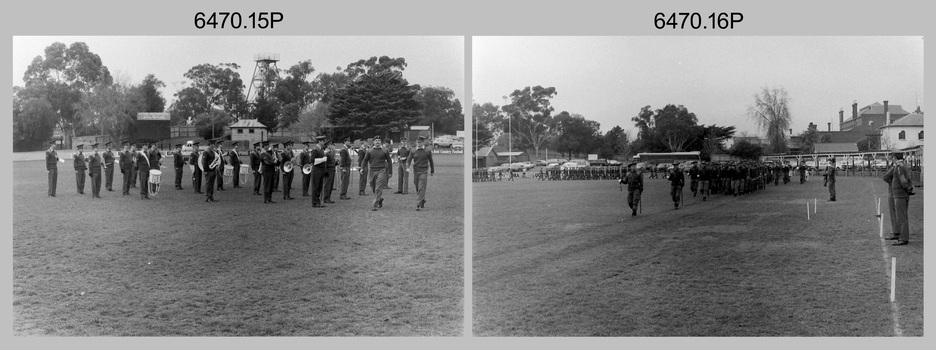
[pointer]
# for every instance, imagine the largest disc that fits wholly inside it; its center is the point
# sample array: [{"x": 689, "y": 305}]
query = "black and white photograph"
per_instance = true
[
  {"x": 238, "y": 186},
  {"x": 724, "y": 186}
]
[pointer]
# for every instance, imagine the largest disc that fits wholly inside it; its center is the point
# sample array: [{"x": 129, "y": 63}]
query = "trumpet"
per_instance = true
[{"x": 217, "y": 161}]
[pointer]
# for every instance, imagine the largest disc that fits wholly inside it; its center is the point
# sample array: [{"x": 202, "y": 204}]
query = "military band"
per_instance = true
[
  {"x": 286, "y": 157},
  {"x": 255, "y": 167},
  {"x": 234, "y": 156},
  {"x": 143, "y": 168},
  {"x": 268, "y": 163}
]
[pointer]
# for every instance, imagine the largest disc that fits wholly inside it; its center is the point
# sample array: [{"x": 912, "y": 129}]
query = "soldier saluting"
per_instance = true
[{"x": 52, "y": 160}]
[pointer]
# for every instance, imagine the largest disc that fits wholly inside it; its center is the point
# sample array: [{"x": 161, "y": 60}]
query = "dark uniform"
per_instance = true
[
  {"x": 305, "y": 158},
  {"x": 235, "y": 162},
  {"x": 94, "y": 170},
  {"x": 380, "y": 168},
  {"x": 319, "y": 171},
  {"x": 79, "y": 164},
  {"x": 126, "y": 168},
  {"x": 831, "y": 179},
  {"x": 268, "y": 164},
  {"x": 178, "y": 162},
  {"x": 143, "y": 168},
  {"x": 677, "y": 181},
  {"x": 363, "y": 170},
  {"x": 344, "y": 166},
  {"x": 219, "y": 171},
  {"x": 423, "y": 167},
  {"x": 330, "y": 165},
  {"x": 211, "y": 174},
  {"x": 634, "y": 181},
  {"x": 255, "y": 167},
  {"x": 900, "y": 186},
  {"x": 402, "y": 181},
  {"x": 197, "y": 171},
  {"x": 52, "y": 160},
  {"x": 694, "y": 174},
  {"x": 287, "y": 157},
  {"x": 108, "y": 157}
]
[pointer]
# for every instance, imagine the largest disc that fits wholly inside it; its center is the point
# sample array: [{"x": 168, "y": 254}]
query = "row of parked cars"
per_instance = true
[{"x": 554, "y": 164}]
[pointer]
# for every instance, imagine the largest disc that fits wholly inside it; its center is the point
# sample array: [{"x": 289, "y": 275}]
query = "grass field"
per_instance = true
[
  {"x": 178, "y": 266},
  {"x": 567, "y": 259}
]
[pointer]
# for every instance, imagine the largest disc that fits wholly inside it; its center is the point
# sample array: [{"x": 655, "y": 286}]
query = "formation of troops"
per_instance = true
[{"x": 324, "y": 169}]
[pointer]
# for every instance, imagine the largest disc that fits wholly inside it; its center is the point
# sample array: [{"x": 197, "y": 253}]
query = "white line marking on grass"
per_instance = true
[
  {"x": 893, "y": 277},
  {"x": 815, "y": 205}
]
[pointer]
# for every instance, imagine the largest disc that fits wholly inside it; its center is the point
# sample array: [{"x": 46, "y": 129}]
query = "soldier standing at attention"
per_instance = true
[
  {"x": 79, "y": 160},
  {"x": 108, "y": 157},
  {"x": 831, "y": 179},
  {"x": 126, "y": 168},
  {"x": 319, "y": 171},
  {"x": 305, "y": 158},
  {"x": 268, "y": 163},
  {"x": 402, "y": 182},
  {"x": 208, "y": 157},
  {"x": 197, "y": 171},
  {"x": 421, "y": 160},
  {"x": 143, "y": 168},
  {"x": 219, "y": 171},
  {"x": 802, "y": 172},
  {"x": 255, "y": 167},
  {"x": 677, "y": 181},
  {"x": 94, "y": 169},
  {"x": 52, "y": 160},
  {"x": 361, "y": 151},
  {"x": 236, "y": 163},
  {"x": 287, "y": 157},
  {"x": 178, "y": 161},
  {"x": 900, "y": 187},
  {"x": 381, "y": 166},
  {"x": 330, "y": 165},
  {"x": 344, "y": 166},
  {"x": 634, "y": 181}
]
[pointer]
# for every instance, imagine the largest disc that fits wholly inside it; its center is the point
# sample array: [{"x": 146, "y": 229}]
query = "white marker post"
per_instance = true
[
  {"x": 807, "y": 210},
  {"x": 815, "y": 205},
  {"x": 881, "y": 226},
  {"x": 879, "y": 206},
  {"x": 893, "y": 278}
]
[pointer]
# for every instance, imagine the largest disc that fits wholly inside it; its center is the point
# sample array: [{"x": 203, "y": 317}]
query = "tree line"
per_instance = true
[{"x": 70, "y": 88}]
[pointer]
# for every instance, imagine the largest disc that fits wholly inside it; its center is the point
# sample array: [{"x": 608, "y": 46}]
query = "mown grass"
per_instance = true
[
  {"x": 177, "y": 266},
  {"x": 566, "y": 259}
]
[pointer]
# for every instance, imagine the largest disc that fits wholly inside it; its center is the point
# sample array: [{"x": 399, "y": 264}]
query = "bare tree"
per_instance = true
[{"x": 772, "y": 114}]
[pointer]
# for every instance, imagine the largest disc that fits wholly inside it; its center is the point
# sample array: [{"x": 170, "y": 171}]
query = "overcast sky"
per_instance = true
[
  {"x": 436, "y": 61},
  {"x": 608, "y": 79}
]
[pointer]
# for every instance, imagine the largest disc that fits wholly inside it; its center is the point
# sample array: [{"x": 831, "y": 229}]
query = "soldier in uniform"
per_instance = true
[
  {"x": 287, "y": 157},
  {"x": 319, "y": 171},
  {"x": 278, "y": 169},
  {"x": 361, "y": 151},
  {"x": 694, "y": 174},
  {"x": 255, "y": 167},
  {"x": 381, "y": 167},
  {"x": 52, "y": 160},
  {"x": 235, "y": 162},
  {"x": 126, "y": 167},
  {"x": 79, "y": 164},
  {"x": 705, "y": 177},
  {"x": 305, "y": 158},
  {"x": 178, "y": 161},
  {"x": 802, "y": 172},
  {"x": 677, "y": 181},
  {"x": 94, "y": 169},
  {"x": 108, "y": 157},
  {"x": 634, "y": 181},
  {"x": 421, "y": 161},
  {"x": 830, "y": 173},
  {"x": 219, "y": 171},
  {"x": 402, "y": 154},
  {"x": 330, "y": 165},
  {"x": 268, "y": 165},
  {"x": 143, "y": 168},
  {"x": 344, "y": 166},
  {"x": 197, "y": 171},
  {"x": 900, "y": 187},
  {"x": 211, "y": 173}
]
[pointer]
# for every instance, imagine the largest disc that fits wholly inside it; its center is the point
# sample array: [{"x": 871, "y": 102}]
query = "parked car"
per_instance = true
[
  {"x": 556, "y": 160},
  {"x": 528, "y": 165},
  {"x": 460, "y": 145},
  {"x": 614, "y": 162},
  {"x": 443, "y": 141},
  {"x": 541, "y": 162},
  {"x": 575, "y": 164}
]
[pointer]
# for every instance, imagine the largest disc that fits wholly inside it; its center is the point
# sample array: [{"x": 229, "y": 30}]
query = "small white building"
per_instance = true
[
  {"x": 249, "y": 130},
  {"x": 904, "y": 133}
]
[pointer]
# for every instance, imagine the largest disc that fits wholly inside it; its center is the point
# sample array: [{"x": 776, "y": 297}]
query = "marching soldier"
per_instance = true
[
  {"x": 210, "y": 162},
  {"x": 94, "y": 169},
  {"x": 236, "y": 163},
  {"x": 677, "y": 181},
  {"x": 108, "y": 157},
  {"x": 830, "y": 173},
  {"x": 52, "y": 160},
  {"x": 178, "y": 161},
  {"x": 330, "y": 164},
  {"x": 634, "y": 181},
  {"x": 381, "y": 167},
  {"x": 344, "y": 165},
  {"x": 305, "y": 158},
  {"x": 79, "y": 164},
  {"x": 402, "y": 182},
  {"x": 143, "y": 168},
  {"x": 197, "y": 168},
  {"x": 287, "y": 157},
  {"x": 361, "y": 151},
  {"x": 319, "y": 171},
  {"x": 268, "y": 164},
  {"x": 705, "y": 176},
  {"x": 126, "y": 167},
  {"x": 694, "y": 174},
  {"x": 421, "y": 160}
]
